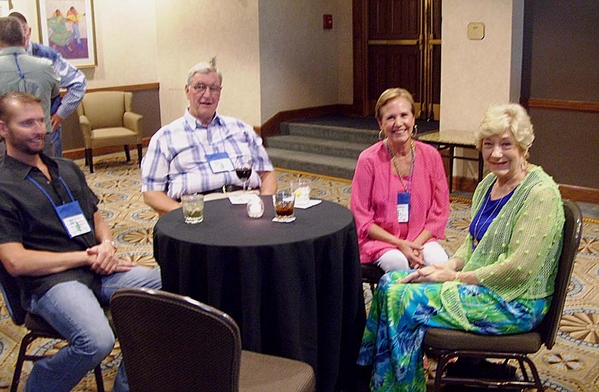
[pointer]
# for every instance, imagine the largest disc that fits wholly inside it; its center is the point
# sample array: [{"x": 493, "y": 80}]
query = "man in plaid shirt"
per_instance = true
[{"x": 197, "y": 152}]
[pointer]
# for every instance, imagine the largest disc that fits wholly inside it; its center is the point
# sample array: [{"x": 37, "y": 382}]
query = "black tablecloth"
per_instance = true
[{"x": 294, "y": 289}]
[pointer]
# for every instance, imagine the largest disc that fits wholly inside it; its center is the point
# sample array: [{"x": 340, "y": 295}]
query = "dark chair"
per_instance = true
[
  {"x": 371, "y": 274},
  {"x": 446, "y": 344},
  {"x": 38, "y": 328},
  {"x": 174, "y": 343}
]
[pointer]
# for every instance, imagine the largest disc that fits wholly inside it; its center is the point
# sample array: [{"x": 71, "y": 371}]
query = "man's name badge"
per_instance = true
[
  {"x": 220, "y": 162},
  {"x": 72, "y": 219},
  {"x": 403, "y": 207}
]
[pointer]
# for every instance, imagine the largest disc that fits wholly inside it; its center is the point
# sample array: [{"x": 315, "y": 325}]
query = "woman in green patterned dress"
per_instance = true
[{"x": 501, "y": 278}]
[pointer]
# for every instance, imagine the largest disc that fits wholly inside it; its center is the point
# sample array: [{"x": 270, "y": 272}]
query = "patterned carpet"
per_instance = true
[{"x": 572, "y": 365}]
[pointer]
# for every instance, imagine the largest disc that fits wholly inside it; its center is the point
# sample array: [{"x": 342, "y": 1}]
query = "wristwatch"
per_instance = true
[{"x": 112, "y": 243}]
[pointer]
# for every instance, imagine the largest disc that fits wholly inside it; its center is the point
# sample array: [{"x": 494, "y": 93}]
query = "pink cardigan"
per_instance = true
[{"x": 374, "y": 198}]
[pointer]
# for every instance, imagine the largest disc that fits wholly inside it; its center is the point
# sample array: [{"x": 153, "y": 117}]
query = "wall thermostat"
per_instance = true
[{"x": 476, "y": 30}]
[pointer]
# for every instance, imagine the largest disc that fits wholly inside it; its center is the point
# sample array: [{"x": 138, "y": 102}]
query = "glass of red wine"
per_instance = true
[{"x": 243, "y": 168}]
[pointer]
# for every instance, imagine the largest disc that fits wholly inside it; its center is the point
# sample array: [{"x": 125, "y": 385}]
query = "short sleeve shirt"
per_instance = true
[
  {"x": 177, "y": 160},
  {"x": 28, "y": 217}
]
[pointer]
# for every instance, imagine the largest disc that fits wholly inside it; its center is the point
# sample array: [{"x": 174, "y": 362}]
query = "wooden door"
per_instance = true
[{"x": 397, "y": 43}]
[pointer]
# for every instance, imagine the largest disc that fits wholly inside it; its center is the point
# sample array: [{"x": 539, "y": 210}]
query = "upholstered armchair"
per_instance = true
[{"x": 106, "y": 119}]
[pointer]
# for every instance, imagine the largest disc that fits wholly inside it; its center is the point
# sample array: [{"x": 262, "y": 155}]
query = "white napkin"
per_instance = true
[
  {"x": 311, "y": 203},
  {"x": 241, "y": 197}
]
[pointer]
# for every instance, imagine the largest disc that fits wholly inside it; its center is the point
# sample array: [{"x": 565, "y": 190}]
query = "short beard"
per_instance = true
[{"x": 24, "y": 148}]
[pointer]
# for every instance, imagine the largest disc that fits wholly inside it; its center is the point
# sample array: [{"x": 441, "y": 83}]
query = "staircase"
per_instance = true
[{"x": 328, "y": 146}]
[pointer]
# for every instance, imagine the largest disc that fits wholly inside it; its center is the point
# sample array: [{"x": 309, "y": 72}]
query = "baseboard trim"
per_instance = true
[{"x": 273, "y": 125}]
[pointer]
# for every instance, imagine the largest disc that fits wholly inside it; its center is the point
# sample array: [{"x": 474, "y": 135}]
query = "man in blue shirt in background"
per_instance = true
[{"x": 71, "y": 79}]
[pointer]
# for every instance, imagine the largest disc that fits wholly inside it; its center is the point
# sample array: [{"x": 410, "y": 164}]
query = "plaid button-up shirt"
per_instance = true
[{"x": 176, "y": 160}]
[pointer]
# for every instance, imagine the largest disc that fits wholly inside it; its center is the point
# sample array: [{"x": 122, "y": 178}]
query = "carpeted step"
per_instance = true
[
  {"x": 330, "y": 148},
  {"x": 347, "y": 134},
  {"x": 328, "y": 145},
  {"x": 312, "y": 163},
  {"x": 343, "y": 120}
]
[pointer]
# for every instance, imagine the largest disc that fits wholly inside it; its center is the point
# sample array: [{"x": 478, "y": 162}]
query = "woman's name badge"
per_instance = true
[
  {"x": 72, "y": 219},
  {"x": 403, "y": 207},
  {"x": 220, "y": 162}
]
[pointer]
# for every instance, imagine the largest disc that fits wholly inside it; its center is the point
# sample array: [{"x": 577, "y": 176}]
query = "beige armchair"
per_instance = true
[{"x": 106, "y": 119}]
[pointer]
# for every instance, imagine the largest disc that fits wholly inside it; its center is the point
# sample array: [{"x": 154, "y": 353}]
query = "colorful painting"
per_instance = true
[{"x": 68, "y": 27}]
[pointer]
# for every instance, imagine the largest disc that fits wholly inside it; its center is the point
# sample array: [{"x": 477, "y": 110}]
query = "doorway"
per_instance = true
[{"x": 397, "y": 43}]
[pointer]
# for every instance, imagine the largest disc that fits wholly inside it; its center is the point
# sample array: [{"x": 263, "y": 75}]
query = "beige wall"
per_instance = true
[
  {"x": 141, "y": 41},
  {"x": 475, "y": 73},
  {"x": 303, "y": 65},
  {"x": 126, "y": 44},
  {"x": 275, "y": 56},
  {"x": 191, "y": 31}
]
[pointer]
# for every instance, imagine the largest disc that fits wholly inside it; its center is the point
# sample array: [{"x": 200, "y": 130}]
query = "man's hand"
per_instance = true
[
  {"x": 269, "y": 182},
  {"x": 55, "y": 120},
  {"x": 104, "y": 261}
]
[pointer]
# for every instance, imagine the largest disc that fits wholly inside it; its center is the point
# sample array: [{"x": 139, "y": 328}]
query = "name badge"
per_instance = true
[
  {"x": 72, "y": 219},
  {"x": 220, "y": 162},
  {"x": 403, "y": 207}
]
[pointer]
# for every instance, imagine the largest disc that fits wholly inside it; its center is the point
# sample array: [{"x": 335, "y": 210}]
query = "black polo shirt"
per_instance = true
[{"x": 28, "y": 217}]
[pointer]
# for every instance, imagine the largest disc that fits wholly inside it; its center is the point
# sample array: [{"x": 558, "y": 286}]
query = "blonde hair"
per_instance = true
[
  {"x": 506, "y": 117},
  {"x": 391, "y": 94}
]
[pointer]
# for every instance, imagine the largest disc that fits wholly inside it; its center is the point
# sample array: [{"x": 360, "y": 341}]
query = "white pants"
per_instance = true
[{"x": 394, "y": 259}]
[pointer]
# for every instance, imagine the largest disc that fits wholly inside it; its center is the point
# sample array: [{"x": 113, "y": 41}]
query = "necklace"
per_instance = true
[
  {"x": 476, "y": 232},
  {"x": 397, "y": 168}
]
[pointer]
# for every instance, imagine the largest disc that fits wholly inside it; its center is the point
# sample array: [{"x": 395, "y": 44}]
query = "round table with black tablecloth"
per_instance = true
[{"x": 294, "y": 288}]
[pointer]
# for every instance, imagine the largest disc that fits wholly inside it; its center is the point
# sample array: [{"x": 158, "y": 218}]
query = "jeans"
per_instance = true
[
  {"x": 57, "y": 141},
  {"x": 75, "y": 312}
]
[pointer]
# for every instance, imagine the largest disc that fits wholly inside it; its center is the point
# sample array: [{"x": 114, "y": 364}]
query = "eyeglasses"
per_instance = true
[{"x": 201, "y": 88}]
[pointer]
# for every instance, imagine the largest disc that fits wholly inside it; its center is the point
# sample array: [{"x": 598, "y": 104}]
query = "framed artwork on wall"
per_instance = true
[{"x": 68, "y": 27}]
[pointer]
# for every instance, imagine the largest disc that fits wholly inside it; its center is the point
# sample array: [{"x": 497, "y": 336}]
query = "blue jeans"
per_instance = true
[
  {"x": 75, "y": 312},
  {"x": 57, "y": 141}
]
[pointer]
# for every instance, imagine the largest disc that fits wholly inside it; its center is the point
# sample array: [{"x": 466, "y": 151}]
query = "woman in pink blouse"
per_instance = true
[{"x": 399, "y": 197}]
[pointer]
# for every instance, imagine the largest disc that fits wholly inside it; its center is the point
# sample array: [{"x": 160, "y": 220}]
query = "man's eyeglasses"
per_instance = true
[{"x": 201, "y": 88}]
